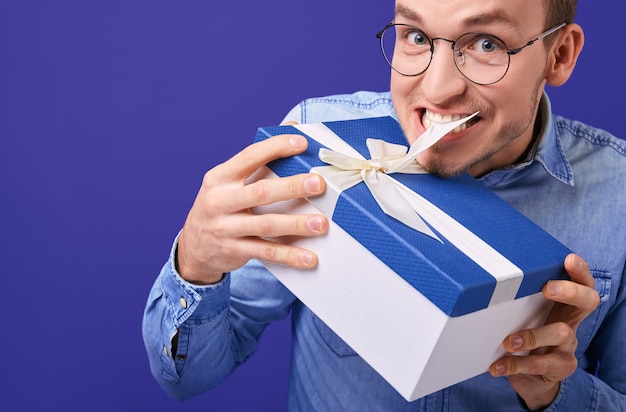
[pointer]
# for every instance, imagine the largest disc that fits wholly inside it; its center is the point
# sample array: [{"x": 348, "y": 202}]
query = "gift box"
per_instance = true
[{"x": 422, "y": 276}]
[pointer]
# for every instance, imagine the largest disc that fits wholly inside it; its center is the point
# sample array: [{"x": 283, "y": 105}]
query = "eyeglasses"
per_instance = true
[{"x": 481, "y": 58}]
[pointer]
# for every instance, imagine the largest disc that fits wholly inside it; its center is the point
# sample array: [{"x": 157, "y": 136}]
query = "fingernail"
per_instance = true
[
  {"x": 297, "y": 141},
  {"x": 577, "y": 262},
  {"x": 500, "y": 369},
  {"x": 314, "y": 224},
  {"x": 312, "y": 184},
  {"x": 516, "y": 342},
  {"x": 554, "y": 288}
]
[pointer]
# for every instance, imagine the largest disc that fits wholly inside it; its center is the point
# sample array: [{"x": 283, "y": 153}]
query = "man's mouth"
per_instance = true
[{"x": 429, "y": 117}]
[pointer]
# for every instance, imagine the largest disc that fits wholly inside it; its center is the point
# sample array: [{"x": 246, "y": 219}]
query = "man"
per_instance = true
[{"x": 212, "y": 299}]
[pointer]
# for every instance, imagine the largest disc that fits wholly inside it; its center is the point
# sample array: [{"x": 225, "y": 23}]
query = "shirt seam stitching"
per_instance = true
[
  {"x": 347, "y": 102},
  {"x": 598, "y": 139}
]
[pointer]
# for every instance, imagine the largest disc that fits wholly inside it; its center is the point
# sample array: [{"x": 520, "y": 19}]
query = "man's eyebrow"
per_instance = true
[
  {"x": 407, "y": 14},
  {"x": 497, "y": 16}
]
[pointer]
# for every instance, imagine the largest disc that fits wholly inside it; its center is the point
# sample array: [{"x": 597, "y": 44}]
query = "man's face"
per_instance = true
[{"x": 508, "y": 108}]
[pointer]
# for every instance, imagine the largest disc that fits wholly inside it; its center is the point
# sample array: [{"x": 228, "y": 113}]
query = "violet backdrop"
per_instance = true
[{"x": 111, "y": 112}]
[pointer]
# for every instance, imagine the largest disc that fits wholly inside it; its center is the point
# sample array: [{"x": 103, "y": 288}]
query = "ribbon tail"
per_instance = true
[
  {"x": 432, "y": 135},
  {"x": 508, "y": 276},
  {"x": 393, "y": 203}
]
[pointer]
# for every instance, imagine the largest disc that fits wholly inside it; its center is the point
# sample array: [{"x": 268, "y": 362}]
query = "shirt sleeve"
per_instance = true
[
  {"x": 217, "y": 326},
  {"x": 294, "y": 115}
]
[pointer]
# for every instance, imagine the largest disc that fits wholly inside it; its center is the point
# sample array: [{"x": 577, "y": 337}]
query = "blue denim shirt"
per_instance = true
[{"x": 573, "y": 186}]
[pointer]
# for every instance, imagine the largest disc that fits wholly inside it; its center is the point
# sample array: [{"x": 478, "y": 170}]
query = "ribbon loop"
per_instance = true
[{"x": 386, "y": 158}]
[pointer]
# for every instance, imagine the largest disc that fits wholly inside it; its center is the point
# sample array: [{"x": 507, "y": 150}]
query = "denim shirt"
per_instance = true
[{"x": 573, "y": 185}]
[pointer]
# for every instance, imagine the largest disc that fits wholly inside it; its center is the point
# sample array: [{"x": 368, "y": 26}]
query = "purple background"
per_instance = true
[{"x": 110, "y": 113}]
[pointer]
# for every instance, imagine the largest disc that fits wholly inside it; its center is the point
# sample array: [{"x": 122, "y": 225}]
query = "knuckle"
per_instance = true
[
  {"x": 594, "y": 301},
  {"x": 210, "y": 197},
  {"x": 213, "y": 174},
  {"x": 226, "y": 249},
  {"x": 209, "y": 175},
  {"x": 294, "y": 187},
  {"x": 269, "y": 253},
  {"x": 572, "y": 365},
  {"x": 567, "y": 365},
  {"x": 534, "y": 367},
  {"x": 259, "y": 192},
  {"x": 249, "y": 154},
  {"x": 291, "y": 258},
  {"x": 265, "y": 226},
  {"x": 211, "y": 203},
  {"x": 512, "y": 366},
  {"x": 562, "y": 333},
  {"x": 530, "y": 339},
  {"x": 218, "y": 229},
  {"x": 300, "y": 225}
]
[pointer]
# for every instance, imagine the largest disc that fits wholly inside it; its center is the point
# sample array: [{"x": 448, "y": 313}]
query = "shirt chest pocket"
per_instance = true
[{"x": 589, "y": 326}]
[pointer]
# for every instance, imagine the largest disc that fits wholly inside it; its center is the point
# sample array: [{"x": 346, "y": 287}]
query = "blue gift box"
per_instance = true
[{"x": 443, "y": 273}]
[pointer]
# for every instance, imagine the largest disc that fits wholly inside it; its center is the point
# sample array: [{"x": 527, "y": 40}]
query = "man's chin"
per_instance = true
[
  {"x": 441, "y": 169},
  {"x": 443, "y": 172}
]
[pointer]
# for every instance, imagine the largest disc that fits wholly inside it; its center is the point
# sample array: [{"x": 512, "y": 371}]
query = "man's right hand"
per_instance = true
[{"x": 221, "y": 234}]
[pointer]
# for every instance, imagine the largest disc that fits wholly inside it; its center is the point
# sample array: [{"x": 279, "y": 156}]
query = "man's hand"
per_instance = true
[
  {"x": 221, "y": 234},
  {"x": 537, "y": 376}
]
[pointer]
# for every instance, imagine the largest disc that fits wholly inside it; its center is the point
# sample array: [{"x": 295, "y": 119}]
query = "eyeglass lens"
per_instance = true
[{"x": 480, "y": 57}]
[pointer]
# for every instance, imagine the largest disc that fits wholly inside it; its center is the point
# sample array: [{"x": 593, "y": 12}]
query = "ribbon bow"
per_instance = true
[{"x": 348, "y": 168}]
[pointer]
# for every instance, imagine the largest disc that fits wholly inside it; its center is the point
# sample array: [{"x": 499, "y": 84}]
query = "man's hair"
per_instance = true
[
  {"x": 557, "y": 12},
  {"x": 560, "y": 11}
]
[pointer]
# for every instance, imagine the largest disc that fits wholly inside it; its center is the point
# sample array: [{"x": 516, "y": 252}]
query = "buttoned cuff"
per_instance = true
[{"x": 189, "y": 302}]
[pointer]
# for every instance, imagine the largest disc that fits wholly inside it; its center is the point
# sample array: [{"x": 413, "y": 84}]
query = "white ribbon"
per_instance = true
[{"x": 348, "y": 168}]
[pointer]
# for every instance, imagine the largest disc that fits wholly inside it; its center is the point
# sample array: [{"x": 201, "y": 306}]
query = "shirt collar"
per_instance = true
[{"x": 547, "y": 150}]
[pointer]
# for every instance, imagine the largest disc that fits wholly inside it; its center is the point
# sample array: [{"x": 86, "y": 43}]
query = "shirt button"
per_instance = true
[{"x": 183, "y": 302}]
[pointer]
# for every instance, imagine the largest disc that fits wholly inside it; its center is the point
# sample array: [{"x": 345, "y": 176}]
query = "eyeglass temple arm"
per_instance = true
[
  {"x": 380, "y": 33},
  {"x": 541, "y": 36}
]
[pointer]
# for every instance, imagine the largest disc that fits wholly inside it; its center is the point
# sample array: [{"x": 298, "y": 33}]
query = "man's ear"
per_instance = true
[{"x": 564, "y": 53}]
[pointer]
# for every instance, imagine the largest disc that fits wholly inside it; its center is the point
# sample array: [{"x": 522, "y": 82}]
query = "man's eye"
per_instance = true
[
  {"x": 417, "y": 38},
  {"x": 486, "y": 44}
]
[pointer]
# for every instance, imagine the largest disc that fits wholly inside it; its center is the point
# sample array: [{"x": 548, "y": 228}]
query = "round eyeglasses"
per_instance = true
[{"x": 481, "y": 58}]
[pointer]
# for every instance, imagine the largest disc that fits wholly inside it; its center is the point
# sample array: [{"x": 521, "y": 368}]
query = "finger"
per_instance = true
[
  {"x": 290, "y": 123},
  {"x": 279, "y": 253},
  {"x": 581, "y": 299},
  {"x": 553, "y": 367},
  {"x": 244, "y": 163},
  {"x": 578, "y": 270},
  {"x": 578, "y": 295},
  {"x": 277, "y": 225},
  {"x": 551, "y": 335},
  {"x": 267, "y": 191}
]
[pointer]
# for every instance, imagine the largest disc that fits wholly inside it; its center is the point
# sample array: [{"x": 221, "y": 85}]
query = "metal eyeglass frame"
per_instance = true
[{"x": 509, "y": 52}]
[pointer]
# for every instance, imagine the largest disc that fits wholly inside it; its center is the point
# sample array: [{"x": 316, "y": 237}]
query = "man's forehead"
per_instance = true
[{"x": 512, "y": 14}]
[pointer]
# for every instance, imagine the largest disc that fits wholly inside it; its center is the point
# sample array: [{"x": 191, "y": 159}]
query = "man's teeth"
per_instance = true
[{"x": 429, "y": 117}]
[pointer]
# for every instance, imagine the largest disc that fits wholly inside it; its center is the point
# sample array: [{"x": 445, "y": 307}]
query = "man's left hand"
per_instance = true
[{"x": 536, "y": 377}]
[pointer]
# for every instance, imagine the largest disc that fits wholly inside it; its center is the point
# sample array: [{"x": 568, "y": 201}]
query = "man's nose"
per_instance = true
[{"x": 442, "y": 80}]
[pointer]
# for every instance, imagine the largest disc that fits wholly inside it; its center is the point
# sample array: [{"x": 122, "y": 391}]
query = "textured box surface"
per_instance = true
[{"x": 477, "y": 280}]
